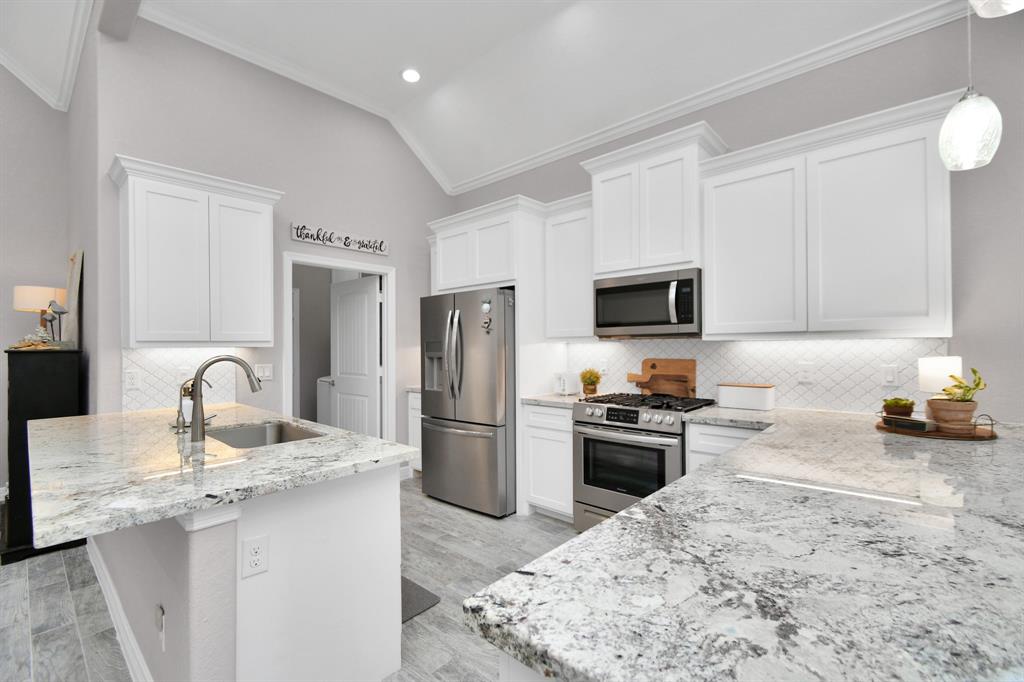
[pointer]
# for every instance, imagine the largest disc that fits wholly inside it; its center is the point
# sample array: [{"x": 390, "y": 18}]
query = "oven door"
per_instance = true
[
  {"x": 614, "y": 468},
  {"x": 662, "y": 304}
]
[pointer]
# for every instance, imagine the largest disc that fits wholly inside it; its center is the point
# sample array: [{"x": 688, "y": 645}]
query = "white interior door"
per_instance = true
[{"x": 355, "y": 355}]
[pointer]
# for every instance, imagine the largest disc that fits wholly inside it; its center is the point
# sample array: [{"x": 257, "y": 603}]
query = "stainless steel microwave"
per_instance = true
[{"x": 661, "y": 304}]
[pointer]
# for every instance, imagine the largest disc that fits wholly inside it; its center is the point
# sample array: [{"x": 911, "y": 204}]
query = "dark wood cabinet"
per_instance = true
[{"x": 41, "y": 384}]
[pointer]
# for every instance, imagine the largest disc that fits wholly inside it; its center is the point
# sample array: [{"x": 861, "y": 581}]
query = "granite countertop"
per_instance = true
[
  {"x": 99, "y": 473},
  {"x": 819, "y": 549},
  {"x": 552, "y": 400}
]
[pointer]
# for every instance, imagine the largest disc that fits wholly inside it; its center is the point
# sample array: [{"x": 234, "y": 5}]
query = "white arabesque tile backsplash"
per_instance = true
[
  {"x": 162, "y": 370},
  {"x": 846, "y": 375}
]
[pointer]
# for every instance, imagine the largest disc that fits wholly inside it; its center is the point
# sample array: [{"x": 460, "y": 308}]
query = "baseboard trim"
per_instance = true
[{"x": 137, "y": 667}]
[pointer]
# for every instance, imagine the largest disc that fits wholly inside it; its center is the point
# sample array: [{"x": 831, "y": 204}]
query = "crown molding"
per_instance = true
[
  {"x": 700, "y": 134},
  {"x": 573, "y": 203},
  {"x": 516, "y": 202},
  {"x": 928, "y": 109},
  {"x": 922, "y": 20},
  {"x": 61, "y": 98},
  {"x": 125, "y": 167}
]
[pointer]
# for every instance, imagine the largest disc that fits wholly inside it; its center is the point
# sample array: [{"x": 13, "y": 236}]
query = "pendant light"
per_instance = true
[
  {"x": 990, "y": 9},
  {"x": 971, "y": 132}
]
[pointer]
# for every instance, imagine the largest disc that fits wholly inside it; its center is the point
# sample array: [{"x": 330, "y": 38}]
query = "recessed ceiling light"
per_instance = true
[{"x": 411, "y": 76}]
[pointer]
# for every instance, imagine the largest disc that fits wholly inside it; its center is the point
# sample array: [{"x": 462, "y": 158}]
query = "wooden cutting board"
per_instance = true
[{"x": 667, "y": 375}]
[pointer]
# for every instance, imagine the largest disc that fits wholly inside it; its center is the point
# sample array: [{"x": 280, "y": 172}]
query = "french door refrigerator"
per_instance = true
[{"x": 468, "y": 385}]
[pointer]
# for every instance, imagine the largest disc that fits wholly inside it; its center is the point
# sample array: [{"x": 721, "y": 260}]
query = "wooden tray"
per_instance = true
[
  {"x": 980, "y": 433},
  {"x": 667, "y": 375}
]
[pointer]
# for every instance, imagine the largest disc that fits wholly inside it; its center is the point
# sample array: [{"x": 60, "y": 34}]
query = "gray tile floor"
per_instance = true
[{"x": 54, "y": 623}]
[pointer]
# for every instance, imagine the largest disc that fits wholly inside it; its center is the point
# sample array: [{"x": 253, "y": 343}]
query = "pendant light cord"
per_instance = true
[{"x": 970, "y": 58}]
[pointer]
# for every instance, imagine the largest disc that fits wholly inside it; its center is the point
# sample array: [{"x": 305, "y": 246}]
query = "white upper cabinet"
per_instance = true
[
  {"x": 646, "y": 202},
  {"x": 843, "y": 229},
  {"x": 755, "y": 270},
  {"x": 197, "y": 257},
  {"x": 480, "y": 246},
  {"x": 568, "y": 269},
  {"x": 878, "y": 234}
]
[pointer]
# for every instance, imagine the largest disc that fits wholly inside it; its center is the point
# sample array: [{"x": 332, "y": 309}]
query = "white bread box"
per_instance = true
[{"x": 747, "y": 396}]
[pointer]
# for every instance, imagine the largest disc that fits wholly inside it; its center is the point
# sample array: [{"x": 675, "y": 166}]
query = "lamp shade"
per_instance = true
[
  {"x": 32, "y": 299},
  {"x": 990, "y": 9},
  {"x": 971, "y": 133},
  {"x": 933, "y": 373}
]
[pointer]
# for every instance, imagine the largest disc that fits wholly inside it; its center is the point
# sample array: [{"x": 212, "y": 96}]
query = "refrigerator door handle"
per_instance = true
[
  {"x": 444, "y": 361},
  {"x": 456, "y": 355},
  {"x": 458, "y": 432}
]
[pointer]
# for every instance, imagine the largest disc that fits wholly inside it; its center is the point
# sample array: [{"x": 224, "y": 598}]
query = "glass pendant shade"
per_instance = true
[
  {"x": 971, "y": 132},
  {"x": 990, "y": 9}
]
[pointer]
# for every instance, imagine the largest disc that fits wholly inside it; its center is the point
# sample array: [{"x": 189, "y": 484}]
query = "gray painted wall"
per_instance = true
[
  {"x": 33, "y": 213},
  {"x": 314, "y": 285},
  {"x": 167, "y": 98},
  {"x": 988, "y": 205}
]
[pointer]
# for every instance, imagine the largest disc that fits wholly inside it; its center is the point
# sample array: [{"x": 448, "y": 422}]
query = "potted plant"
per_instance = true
[
  {"x": 955, "y": 412},
  {"x": 590, "y": 378},
  {"x": 898, "y": 407}
]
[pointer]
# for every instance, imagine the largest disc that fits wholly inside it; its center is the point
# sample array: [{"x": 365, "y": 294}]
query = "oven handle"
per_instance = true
[
  {"x": 628, "y": 439},
  {"x": 672, "y": 317}
]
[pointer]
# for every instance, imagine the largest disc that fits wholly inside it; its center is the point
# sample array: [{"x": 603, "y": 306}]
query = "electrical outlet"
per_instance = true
[
  {"x": 805, "y": 372},
  {"x": 265, "y": 372},
  {"x": 890, "y": 375},
  {"x": 255, "y": 555},
  {"x": 132, "y": 380}
]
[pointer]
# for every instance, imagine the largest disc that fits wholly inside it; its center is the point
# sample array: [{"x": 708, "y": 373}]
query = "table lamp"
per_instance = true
[
  {"x": 933, "y": 374},
  {"x": 33, "y": 299}
]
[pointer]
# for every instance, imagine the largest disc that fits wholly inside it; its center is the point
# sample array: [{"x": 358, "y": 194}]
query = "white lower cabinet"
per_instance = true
[
  {"x": 705, "y": 442},
  {"x": 415, "y": 436},
  {"x": 547, "y": 453}
]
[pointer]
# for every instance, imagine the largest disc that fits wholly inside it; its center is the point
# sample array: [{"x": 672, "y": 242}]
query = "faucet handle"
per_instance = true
[{"x": 186, "y": 387}]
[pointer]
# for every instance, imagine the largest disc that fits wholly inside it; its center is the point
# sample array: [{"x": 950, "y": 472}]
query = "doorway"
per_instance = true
[{"x": 338, "y": 350}]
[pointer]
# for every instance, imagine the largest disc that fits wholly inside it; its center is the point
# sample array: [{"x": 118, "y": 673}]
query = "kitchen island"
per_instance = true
[
  {"x": 819, "y": 549},
  {"x": 278, "y": 561}
]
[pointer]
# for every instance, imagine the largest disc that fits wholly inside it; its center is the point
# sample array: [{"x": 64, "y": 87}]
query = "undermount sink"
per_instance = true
[{"x": 258, "y": 435}]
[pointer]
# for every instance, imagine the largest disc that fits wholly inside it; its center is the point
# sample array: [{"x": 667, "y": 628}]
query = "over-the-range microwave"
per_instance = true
[{"x": 660, "y": 304}]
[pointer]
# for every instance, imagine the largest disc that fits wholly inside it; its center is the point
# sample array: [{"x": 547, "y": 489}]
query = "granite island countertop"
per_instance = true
[
  {"x": 819, "y": 549},
  {"x": 99, "y": 473}
]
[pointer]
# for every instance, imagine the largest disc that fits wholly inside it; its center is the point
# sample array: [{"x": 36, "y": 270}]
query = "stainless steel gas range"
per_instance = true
[{"x": 625, "y": 447}]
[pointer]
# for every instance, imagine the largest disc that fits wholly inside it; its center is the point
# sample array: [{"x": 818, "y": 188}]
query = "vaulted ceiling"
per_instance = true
[{"x": 508, "y": 85}]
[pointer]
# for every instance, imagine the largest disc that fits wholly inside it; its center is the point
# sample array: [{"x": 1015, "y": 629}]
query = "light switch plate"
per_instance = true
[
  {"x": 890, "y": 375},
  {"x": 265, "y": 372},
  {"x": 805, "y": 372}
]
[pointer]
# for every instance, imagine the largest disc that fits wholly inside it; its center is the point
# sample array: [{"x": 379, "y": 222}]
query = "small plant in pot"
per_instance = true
[
  {"x": 955, "y": 412},
  {"x": 590, "y": 378},
  {"x": 898, "y": 407}
]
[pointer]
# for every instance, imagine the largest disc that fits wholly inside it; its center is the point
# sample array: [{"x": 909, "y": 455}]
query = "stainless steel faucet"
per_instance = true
[
  {"x": 185, "y": 392},
  {"x": 198, "y": 415}
]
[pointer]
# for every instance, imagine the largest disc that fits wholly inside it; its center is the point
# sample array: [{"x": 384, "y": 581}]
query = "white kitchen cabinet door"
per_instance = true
[
  {"x": 169, "y": 253},
  {"x": 705, "y": 443},
  {"x": 548, "y": 451},
  {"x": 616, "y": 219},
  {"x": 568, "y": 275},
  {"x": 415, "y": 424},
  {"x": 670, "y": 209},
  {"x": 495, "y": 251},
  {"x": 241, "y": 238},
  {"x": 878, "y": 235},
  {"x": 455, "y": 252},
  {"x": 755, "y": 231}
]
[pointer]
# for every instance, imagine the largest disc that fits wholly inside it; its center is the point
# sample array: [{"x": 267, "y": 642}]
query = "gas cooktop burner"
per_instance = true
[{"x": 656, "y": 401}]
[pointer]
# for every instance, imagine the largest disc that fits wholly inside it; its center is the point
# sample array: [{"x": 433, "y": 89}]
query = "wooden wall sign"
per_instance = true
[{"x": 340, "y": 240}]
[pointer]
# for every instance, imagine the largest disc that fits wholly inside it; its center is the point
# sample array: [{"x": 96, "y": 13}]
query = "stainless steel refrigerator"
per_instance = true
[{"x": 468, "y": 385}]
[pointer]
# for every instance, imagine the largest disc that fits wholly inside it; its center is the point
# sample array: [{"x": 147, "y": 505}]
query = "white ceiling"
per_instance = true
[
  {"x": 507, "y": 84},
  {"x": 40, "y": 43}
]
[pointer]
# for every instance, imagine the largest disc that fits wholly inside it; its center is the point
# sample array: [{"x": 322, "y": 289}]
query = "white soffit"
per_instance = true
[
  {"x": 41, "y": 43},
  {"x": 509, "y": 85}
]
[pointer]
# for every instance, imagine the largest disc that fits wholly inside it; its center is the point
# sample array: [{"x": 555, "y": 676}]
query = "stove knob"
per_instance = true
[
  {"x": 598, "y": 412},
  {"x": 647, "y": 416},
  {"x": 657, "y": 419},
  {"x": 590, "y": 411},
  {"x": 670, "y": 420}
]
